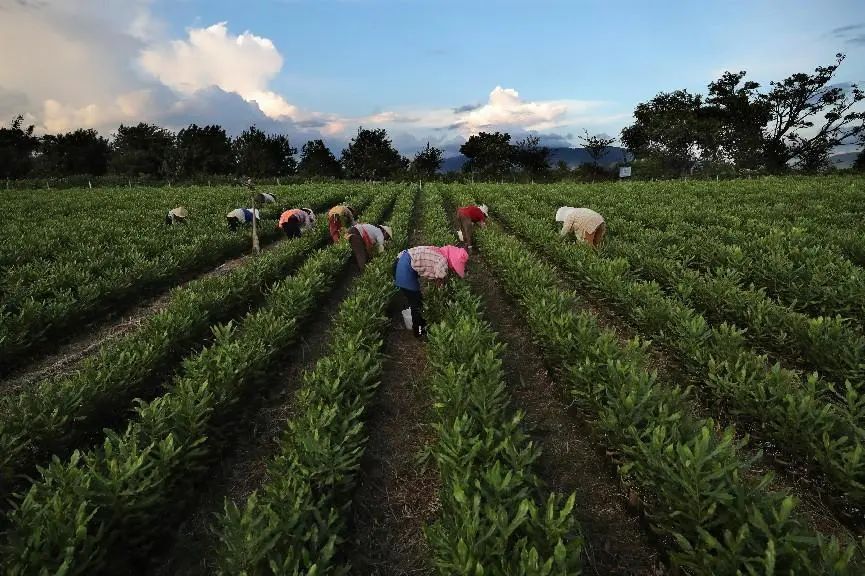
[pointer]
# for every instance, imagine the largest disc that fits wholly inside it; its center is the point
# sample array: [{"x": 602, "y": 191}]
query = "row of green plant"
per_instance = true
[
  {"x": 296, "y": 522},
  {"x": 90, "y": 276},
  {"x": 494, "y": 518},
  {"x": 809, "y": 278},
  {"x": 803, "y": 416},
  {"x": 103, "y": 510},
  {"x": 800, "y": 263},
  {"x": 56, "y": 415},
  {"x": 711, "y": 510},
  {"x": 825, "y": 344}
]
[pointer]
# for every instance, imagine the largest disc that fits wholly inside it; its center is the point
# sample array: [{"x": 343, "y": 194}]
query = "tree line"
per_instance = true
[{"x": 738, "y": 127}]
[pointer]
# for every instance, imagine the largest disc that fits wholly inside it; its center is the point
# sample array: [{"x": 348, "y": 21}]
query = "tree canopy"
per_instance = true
[
  {"x": 316, "y": 160},
  {"x": 371, "y": 156}
]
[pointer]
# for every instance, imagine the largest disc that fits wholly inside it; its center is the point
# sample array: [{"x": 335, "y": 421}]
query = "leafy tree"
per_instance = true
[
  {"x": 795, "y": 132},
  {"x": 204, "y": 150},
  {"x": 144, "y": 149},
  {"x": 316, "y": 159},
  {"x": 669, "y": 128},
  {"x": 17, "y": 145},
  {"x": 736, "y": 115},
  {"x": 489, "y": 155},
  {"x": 531, "y": 157},
  {"x": 371, "y": 156},
  {"x": 261, "y": 155},
  {"x": 427, "y": 162},
  {"x": 597, "y": 146},
  {"x": 74, "y": 153}
]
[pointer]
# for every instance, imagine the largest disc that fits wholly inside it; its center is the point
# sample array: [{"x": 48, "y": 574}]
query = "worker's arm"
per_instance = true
[{"x": 566, "y": 227}]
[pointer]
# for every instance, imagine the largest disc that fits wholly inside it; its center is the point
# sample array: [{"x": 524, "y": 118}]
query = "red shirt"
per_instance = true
[{"x": 473, "y": 212}]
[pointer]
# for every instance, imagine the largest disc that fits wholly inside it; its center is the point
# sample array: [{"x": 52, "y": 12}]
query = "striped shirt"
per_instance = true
[
  {"x": 428, "y": 262},
  {"x": 581, "y": 221}
]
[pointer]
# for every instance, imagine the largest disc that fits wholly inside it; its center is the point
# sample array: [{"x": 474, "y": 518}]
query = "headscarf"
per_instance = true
[
  {"x": 456, "y": 257},
  {"x": 562, "y": 212}
]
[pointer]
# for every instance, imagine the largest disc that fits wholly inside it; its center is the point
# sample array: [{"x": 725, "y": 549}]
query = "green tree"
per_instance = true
[
  {"x": 489, "y": 155},
  {"x": 808, "y": 118},
  {"x": 144, "y": 149},
  {"x": 427, "y": 162},
  {"x": 371, "y": 156},
  {"x": 259, "y": 155},
  {"x": 74, "y": 153},
  {"x": 316, "y": 160},
  {"x": 204, "y": 150},
  {"x": 532, "y": 158},
  {"x": 17, "y": 145},
  {"x": 669, "y": 128}
]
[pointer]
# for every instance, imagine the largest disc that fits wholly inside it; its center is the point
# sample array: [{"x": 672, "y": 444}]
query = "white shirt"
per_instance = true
[
  {"x": 242, "y": 214},
  {"x": 580, "y": 221},
  {"x": 374, "y": 233}
]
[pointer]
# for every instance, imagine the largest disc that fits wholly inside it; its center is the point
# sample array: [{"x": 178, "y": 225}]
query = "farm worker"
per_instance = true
[
  {"x": 240, "y": 215},
  {"x": 177, "y": 216},
  {"x": 265, "y": 198},
  {"x": 468, "y": 216},
  {"x": 432, "y": 263},
  {"x": 364, "y": 238},
  {"x": 587, "y": 225},
  {"x": 293, "y": 222},
  {"x": 339, "y": 217}
]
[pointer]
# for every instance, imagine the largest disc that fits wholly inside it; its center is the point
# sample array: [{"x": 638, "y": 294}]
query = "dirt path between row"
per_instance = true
[
  {"x": 572, "y": 459},
  {"x": 243, "y": 467},
  {"x": 396, "y": 496},
  {"x": 65, "y": 359}
]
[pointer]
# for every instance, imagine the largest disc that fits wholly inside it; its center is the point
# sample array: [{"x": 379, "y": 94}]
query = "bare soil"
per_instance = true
[
  {"x": 396, "y": 495},
  {"x": 571, "y": 460}
]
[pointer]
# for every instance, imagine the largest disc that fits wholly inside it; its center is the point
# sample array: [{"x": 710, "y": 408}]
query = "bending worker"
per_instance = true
[
  {"x": 265, "y": 198},
  {"x": 177, "y": 216},
  {"x": 468, "y": 216},
  {"x": 240, "y": 216},
  {"x": 293, "y": 222},
  {"x": 428, "y": 262},
  {"x": 364, "y": 238},
  {"x": 587, "y": 225},
  {"x": 338, "y": 218}
]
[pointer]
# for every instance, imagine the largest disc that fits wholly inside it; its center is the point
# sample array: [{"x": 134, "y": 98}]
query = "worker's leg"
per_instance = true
[
  {"x": 599, "y": 234},
  {"x": 415, "y": 303},
  {"x": 358, "y": 247},
  {"x": 466, "y": 225}
]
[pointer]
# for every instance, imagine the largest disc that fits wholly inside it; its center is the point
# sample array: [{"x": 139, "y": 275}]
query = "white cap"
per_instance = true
[
  {"x": 388, "y": 230},
  {"x": 484, "y": 209}
]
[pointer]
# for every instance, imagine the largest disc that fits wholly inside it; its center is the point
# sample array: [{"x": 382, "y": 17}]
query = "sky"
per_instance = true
[{"x": 426, "y": 70}]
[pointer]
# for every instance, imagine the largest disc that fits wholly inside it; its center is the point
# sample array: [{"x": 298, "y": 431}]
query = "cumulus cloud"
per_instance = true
[
  {"x": 504, "y": 110},
  {"x": 244, "y": 64},
  {"x": 99, "y": 63}
]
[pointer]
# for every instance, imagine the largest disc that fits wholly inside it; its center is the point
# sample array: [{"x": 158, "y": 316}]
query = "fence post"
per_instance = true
[{"x": 90, "y": 184}]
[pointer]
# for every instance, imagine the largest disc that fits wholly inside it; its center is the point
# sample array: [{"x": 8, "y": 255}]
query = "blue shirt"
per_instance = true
[{"x": 405, "y": 276}]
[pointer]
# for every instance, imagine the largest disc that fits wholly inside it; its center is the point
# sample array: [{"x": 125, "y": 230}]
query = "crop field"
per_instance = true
[{"x": 687, "y": 399}]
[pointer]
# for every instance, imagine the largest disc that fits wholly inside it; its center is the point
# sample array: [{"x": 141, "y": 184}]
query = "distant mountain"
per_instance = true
[
  {"x": 843, "y": 161},
  {"x": 573, "y": 157}
]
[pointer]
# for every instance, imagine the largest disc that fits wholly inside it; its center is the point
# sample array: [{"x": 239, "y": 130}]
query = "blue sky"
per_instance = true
[{"x": 321, "y": 67}]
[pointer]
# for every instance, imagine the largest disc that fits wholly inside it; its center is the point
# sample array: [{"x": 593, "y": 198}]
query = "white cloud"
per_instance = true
[
  {"x": 244, "y": 64},
  {"x": 99, "y": 63}
]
